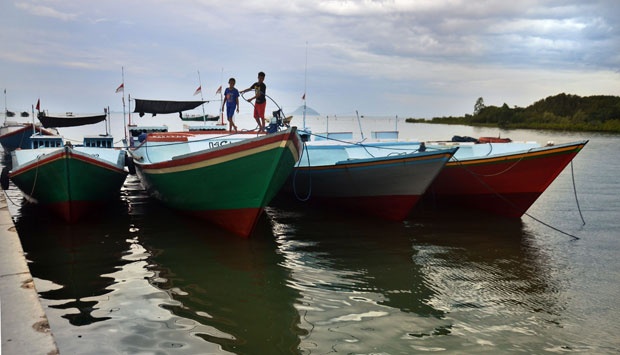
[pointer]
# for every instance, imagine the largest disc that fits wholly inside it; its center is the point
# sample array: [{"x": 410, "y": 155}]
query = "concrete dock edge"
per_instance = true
[{"x": 24, "y": 327}]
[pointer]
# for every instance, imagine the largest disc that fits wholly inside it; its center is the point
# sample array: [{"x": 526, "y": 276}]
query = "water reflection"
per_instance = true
[
  {"x": 141, "y": 278},
  {"x": 236, "y": 286},
  {"x": 73, "y": 256},
  {"x": 368, "y": 284}
]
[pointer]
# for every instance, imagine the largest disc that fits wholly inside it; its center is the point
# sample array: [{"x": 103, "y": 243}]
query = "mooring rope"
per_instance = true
[
  {"x": 510, "y": 202},
  {"x": 294, "y": 182}
]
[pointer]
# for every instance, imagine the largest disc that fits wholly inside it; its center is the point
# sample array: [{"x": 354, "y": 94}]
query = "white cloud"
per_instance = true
[{"x": 358, "y": 51}]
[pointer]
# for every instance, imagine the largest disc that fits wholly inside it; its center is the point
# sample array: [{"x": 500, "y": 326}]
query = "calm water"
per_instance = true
[{"x": 139, "y": 278}]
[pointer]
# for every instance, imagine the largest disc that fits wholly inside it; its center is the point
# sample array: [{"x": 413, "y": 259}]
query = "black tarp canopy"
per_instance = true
[{"x": 164, "y": 106}]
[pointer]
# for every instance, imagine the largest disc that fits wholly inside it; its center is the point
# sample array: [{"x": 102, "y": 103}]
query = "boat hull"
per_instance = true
[
  {"x": 229, "y": 185},
  {"x": 505, "y": 185},
  {"x": 386, "y": 187},
  {"x": 70, "y": 182},
  {"x": 18, "y": 136}
]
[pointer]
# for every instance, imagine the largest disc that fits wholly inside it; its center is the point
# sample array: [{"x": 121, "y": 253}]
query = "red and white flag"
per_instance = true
[
  {"x": 121, "y": 88},
  {"x": 219, "y": 90},
  {"x": 38, "y": 107},
  {"x": 198, "y": 91}
]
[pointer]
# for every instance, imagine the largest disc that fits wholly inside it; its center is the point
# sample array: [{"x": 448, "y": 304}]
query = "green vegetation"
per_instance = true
[{"x": 561, "y": 112}]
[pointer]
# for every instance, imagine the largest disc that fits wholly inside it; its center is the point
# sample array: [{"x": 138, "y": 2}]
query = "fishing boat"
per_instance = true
[
  {"x": 364, "y": 179},
  {"x": 14, "y": 135},
  {"x": 500, "y": 177},
  {"x": 226, "y": 178},
  {"x": 72, "y": 181},
  {"x": 492, "y": 174},
  {"x": 69, "y": 119}
]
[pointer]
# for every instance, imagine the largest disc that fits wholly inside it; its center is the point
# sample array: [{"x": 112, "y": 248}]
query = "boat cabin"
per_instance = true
[
  {"x": 138, "y": 133},
  {"x": 384, "y": 135},
  {"x": 42, "y": 141},
  {"x": 99, "y": 141}
]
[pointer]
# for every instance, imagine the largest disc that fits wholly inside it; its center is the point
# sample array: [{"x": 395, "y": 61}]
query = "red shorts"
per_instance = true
[{"x": 259, "y": 110}]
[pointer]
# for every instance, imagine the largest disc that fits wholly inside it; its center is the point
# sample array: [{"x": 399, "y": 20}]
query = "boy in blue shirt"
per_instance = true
[{"x": 231, "y": 101}]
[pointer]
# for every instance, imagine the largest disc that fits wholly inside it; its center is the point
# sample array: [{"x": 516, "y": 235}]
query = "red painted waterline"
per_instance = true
[
  {"x": 505, "y": 186},
  {"x": 240, "y": 221}
]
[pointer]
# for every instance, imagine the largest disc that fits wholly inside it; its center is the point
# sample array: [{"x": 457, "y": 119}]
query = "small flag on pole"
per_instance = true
[
  {"x": 38, "y": 105},
  {"x": 219, "y": 90},
  {"x": 121, "y": 88},
  {"x": 198, "y": 91},
  {"x": 303, "y": 97}
]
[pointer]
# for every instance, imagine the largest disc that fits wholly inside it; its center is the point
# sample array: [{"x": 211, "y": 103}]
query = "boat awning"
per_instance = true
[{"x": 163, "y": 106}]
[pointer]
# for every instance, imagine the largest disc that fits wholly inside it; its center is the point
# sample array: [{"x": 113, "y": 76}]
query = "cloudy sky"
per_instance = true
[{"x": 411, "y": 58}]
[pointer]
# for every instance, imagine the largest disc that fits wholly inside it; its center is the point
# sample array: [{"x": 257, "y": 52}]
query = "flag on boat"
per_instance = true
[
  {"x": 198, "y": 90},
  {"x": 121, "y": 88},
  {"x": 304, "y": 96},
  {"x": 38, "y": 105},
  {"x": 219, "y": 90}
]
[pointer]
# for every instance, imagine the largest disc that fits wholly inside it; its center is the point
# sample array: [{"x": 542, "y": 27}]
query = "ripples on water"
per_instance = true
[{"x": 141, "y": 279}]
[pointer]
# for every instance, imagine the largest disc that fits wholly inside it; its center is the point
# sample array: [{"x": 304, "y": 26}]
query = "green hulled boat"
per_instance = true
[
  {"x": 71, "y": 181},
  {"x": 222, "y": 177}
]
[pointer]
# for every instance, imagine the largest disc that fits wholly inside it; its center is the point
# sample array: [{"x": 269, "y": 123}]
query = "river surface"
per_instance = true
[{"x": 139, "y": 278}]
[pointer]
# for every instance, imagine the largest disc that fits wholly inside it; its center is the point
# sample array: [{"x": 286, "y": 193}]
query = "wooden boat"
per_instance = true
[
  {"x": 72, "y": 181},
  {"x": 499, "y": 178},
  {"x": 225, "y": 179},
  {"x": 14, "y": 135},
  {"x": 377, "y": 184},
  {"x": 69, "y": 119}
]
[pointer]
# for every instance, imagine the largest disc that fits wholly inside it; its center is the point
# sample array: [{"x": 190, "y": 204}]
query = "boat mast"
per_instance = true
[
  {"x": 108, "y": 127},
  {"x": 305, "y": 85},
  {"x": 33, "y": 129},
  {"x": 359, "y": 122},
  {"x": 204, "y": 116},
  {"x": 221, "y": 96},
  {"x": 6, "y": 110},
  {"x": 124, "y": 113}
]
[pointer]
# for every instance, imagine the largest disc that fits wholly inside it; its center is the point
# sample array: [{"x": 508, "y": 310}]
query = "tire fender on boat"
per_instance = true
[
  {"x": 131, "y": 167},
  {"x": 4, "y": 178}
]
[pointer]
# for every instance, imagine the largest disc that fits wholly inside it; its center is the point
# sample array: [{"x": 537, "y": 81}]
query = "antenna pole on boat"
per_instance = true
[
  {"x": 359, "y": 122},
  {"x": 108, "y": 128},
  {"x": 129, "y": 104},
  {"x": 5, "y": 108},
  {"x": 327, "y": 125},
  {"x": 221, "y": 97},
  {"x": 124, "y": 114},
  {"x": 305, "y": 84},
  {"x": 204, "y": 116}
]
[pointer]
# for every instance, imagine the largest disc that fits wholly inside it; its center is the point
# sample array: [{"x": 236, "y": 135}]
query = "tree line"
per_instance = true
[{"x": 560, "y": 112}]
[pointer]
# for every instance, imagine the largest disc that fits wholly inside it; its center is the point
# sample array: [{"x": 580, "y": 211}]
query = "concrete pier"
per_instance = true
[{"x": 24, "y": 328}]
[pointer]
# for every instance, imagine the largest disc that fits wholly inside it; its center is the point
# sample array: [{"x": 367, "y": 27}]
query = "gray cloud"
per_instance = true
[{"x": 358, "y": 51}]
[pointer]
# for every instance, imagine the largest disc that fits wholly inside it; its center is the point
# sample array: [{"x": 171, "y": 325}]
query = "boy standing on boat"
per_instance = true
[
  {"x": 231, "y": 100},
  {"x": 259, "y": 88}
]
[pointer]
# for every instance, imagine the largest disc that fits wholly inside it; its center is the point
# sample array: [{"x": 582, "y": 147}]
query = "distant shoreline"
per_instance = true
[
  {"x": 543, "y": 126},
  {"x": 562, "y": 112}
]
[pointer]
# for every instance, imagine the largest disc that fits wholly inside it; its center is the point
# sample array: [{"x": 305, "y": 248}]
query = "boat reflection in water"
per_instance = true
[
  {"x": 308, "y": 281},
  {"x": 430, "y": 284}
]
